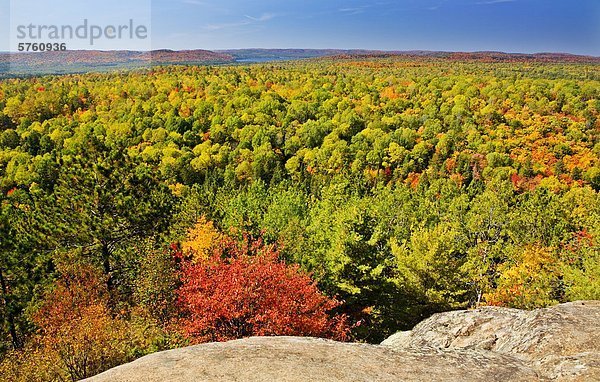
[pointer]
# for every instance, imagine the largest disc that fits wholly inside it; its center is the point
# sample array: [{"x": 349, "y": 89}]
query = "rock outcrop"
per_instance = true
[
  {"x": 560, "y": 343},
  {"x": 309, "y": 359},
  {"x": 487, "y": 344}
]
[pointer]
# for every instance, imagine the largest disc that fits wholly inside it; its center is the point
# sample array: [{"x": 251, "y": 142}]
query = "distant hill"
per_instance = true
[
  {"x": 261, "y": 55},
  {"x": 76, "y": 61},
  {"x": 477, "y": 56},
  {"x": 81, "y": 61},
  {"x": 521, "y": 57}
]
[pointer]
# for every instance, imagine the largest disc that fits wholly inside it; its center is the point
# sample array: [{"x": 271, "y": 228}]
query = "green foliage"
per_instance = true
[
  {"x": 431, "y": 265},
  {"x": 405, "y": 187},
  {"x": 582, "y": 275}
]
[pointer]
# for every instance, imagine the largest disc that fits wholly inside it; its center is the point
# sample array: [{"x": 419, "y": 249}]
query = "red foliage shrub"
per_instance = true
[
  {"x": 72, "y": 296},
  {"x": 245, "y": 290}
]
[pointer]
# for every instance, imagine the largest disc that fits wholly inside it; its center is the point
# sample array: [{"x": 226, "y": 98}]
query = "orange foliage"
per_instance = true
[
  {"x": 521, "y": 183},
  {"x": 77, "y": 329},
  {"x": 413, "y": 180},
  {"x": 580, "y": 240},
  {"x": 389, "y": 92},
  {"x": 458, "y": 179}
]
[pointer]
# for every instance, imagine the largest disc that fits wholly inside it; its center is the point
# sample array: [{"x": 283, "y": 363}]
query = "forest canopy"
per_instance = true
[{"x": 377, "y": 190}]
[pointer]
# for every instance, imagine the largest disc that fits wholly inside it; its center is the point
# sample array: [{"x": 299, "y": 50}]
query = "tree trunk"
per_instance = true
[
  {"x": 107, "y": 269},
  {"x": 106, "y": 266},
  {"x": 12, "y": 328}
]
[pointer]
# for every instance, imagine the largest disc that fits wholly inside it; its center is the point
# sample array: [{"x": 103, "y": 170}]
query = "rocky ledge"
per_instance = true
[{"x": 561, "y": 343}]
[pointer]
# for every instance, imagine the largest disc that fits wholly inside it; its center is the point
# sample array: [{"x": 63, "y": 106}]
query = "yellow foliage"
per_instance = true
[
  {"x": 79, "y": 348},
  {"x": 389, "y": 92},
  {"x": 553, "y": 184},
  {"x": 31, "y": 364},
  {"x": 178, "y": 189},
  {"x": 529, "y": 281},
  {"x": 201, "y": 239}
]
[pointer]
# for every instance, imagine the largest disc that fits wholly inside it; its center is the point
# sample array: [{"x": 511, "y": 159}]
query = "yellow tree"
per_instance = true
[{"x": 530, "y": 279}]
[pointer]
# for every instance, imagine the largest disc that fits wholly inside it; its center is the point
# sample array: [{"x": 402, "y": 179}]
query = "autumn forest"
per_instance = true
[{"x": 344, "y": 198}]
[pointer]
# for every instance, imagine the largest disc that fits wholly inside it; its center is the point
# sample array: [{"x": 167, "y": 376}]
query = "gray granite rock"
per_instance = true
[
  {"x": 561, "y": 342},
  {"x": 487, "y": 344},
  {"x": 290, "y": 359}
]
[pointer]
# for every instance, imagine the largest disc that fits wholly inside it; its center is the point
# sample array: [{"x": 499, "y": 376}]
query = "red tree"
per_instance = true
[{"x": 243, "y": 291}]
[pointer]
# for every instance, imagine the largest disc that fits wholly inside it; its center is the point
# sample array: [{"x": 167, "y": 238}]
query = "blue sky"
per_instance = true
[{"x": 571, "y": 26}]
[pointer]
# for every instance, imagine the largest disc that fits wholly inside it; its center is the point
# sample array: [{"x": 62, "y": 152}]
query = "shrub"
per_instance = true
[{"x": 244, "y": 290}]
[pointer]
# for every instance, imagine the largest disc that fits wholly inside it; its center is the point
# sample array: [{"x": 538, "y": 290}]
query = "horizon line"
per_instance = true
[{"x": 313, "y": 49}]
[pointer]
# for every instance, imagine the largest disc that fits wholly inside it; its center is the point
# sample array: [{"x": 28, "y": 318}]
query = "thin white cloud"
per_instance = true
[
  {"x": 263, "y": 17},
  {"x": 489, "y": 2},
  {"x": 437, "y": 6},
  {"x": 354, "y": 10},
  {"x": 250, "y": 20},
  {"x": 194, "y": 2},
  {"x": 350, "y": 9},
  {"x": 214, "y": 27}
]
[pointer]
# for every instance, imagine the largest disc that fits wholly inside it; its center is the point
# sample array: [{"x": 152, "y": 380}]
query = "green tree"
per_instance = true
[{"x": 102, "y": 203}]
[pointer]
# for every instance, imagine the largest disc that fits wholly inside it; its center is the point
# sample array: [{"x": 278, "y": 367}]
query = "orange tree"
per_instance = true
[{"x": 77, "y": 336}]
